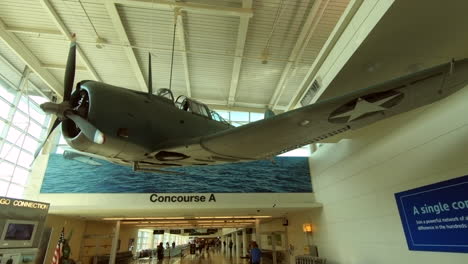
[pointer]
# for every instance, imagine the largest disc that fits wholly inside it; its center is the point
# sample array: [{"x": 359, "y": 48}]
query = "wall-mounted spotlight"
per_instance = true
[{"x": 307, "y": 228}]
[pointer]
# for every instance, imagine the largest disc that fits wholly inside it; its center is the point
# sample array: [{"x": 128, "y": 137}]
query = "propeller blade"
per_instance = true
[
  {"x": 56, "y": 123},
  {"x": 90, "y": 131},
  {"x": 70, "y": 70}
]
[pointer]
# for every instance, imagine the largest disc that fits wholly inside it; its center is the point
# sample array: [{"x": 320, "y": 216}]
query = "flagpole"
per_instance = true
[{"x": 58, "y": 248}]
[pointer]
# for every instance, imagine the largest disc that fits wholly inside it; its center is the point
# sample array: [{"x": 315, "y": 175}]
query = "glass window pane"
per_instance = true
[
  {"x": 4, "y": 109},
  {"x": 10, "y": 153},
  {"x": 15, "y": 191},
  {"x": 35, "y": 130},
  {"x": 23, "y": 105},
  {"x": 256, "y": 116},
  {"x": 20, "y": 176},
  {"x": 15, "y": 136},
  {"x": 20, "y": 120},
  {"x": 29, "y": 108},
  {"x": 39, "y": 99},
  {"x": 37, "y": 116},
  {"x": 30, "y": 144},
  {"x": 25, "y": 159},
  {"x": 3, "y": 187},
  {"x": 240, "y": 116},
  {"x": 6, "y": 170},
  {"x": 7, "y": 93},
  {"x": 215, "y": 116},
  {"x": 224, "y": 114},
  {"x": 2, "y": 125}
]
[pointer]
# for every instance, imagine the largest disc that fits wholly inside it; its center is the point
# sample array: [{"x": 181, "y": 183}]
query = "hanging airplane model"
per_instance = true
[{"x": 150, "y": 132}]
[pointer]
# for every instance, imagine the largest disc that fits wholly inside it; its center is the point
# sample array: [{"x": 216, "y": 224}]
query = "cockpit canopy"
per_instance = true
[
  {"x": 190, "y": 105},
  {"x": 165, "y": 93}
]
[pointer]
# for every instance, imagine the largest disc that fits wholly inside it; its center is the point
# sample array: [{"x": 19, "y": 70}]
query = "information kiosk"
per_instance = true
[{"x": 21, "y": 231}]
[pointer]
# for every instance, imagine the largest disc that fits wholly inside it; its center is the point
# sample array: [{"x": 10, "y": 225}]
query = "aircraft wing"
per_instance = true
[{"x": 316, "y": 122}]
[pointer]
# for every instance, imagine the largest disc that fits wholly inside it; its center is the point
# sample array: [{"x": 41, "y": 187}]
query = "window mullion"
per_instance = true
[{"x": 11, "y": 114}]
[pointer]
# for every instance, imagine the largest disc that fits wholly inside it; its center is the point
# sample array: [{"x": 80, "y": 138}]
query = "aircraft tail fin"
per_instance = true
[
  {"x": 269, "y": 113},
  {"x": 150, "y": 76}
]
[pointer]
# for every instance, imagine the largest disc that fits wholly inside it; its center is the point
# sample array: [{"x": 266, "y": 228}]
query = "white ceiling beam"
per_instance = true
[
  {"x": 34, "y": 31},
  {"x": 302, "y": 41},
  {"x": 61, "y": 67},
  {"x": 15, "y": 44},
  {"x": 182, "y": 44},
  {"x": 239, "y": 53},
  {"x": 61, "y": 26},
  {"x": 349, "y": 26},
  {"x": 13, "y": 68},
  {"x": 159, "y": 48},
  {"x": 187, "y": 6},
  {"x": 123, "y": 37}
]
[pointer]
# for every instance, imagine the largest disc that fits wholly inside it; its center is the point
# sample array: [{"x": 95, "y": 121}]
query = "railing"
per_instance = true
[
  {"x": 310, "y": 260},
  {"x": 174, "y": 252},
  {"x": 168, "y": 252}
]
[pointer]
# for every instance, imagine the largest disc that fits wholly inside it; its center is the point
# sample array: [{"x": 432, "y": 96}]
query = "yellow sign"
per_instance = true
[{"x": 23, "y": 203}]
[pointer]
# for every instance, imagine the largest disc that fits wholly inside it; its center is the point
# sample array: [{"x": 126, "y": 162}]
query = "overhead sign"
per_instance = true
[
  {"x": 10, "y": 202},
  {"x": 175, "y": 231},
  {"x": 182, "y": 198},
  {"x": 435, "y": 217}
]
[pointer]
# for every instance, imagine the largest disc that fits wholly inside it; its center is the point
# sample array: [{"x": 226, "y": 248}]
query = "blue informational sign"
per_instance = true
[{"x": 435, "y": 217}]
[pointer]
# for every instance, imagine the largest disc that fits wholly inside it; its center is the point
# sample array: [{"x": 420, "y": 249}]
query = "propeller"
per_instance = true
[
  {"x": 90, "y": 131},
  {"x": 65, "y": 110}
]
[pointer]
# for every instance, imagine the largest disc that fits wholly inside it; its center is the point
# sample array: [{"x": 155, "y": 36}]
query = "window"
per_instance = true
[
  {"x": 157, "y": 239},
  {"x": 22, "y": 127},
  {"x": 143, "y": 240},
  {"x": 4, "y": 108},
  {"x": 237, "y": 118}
]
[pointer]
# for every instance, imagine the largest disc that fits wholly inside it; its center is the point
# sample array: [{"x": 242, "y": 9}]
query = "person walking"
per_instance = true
[
  {"x": 255, "y": 254},
  {"x": 230, "y": 246},
  {"x": 160, "y": 252}
]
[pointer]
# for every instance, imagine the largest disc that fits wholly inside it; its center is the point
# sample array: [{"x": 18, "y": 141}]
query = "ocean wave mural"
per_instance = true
[{"x": 71, "y": 173}]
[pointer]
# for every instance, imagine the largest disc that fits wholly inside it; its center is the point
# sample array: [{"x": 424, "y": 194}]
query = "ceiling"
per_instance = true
[
  {"x": 411, "y": 36},
  {"x": 249, "y": 54},
  {"x": 192, "y": 222},
  {"x": 134, "y": 209}
]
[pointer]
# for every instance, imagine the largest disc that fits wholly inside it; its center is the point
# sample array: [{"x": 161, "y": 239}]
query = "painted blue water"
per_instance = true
[{"x": 286, "y": 175}]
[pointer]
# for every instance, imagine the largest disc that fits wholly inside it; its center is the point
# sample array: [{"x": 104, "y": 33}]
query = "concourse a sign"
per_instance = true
[{"x": 435, "y": 217}]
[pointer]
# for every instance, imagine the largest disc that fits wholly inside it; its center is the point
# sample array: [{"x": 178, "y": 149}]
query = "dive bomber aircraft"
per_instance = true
[{"x": 150, "y": 132}]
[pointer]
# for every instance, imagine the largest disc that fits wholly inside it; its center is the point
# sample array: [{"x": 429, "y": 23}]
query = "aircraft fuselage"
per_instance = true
[{"x": 134, "y": 123}]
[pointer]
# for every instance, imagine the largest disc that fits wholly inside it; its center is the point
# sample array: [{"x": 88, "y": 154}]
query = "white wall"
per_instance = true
[
  {"x": 356, "y": 179},
  {"x": 297, "y": 239}
]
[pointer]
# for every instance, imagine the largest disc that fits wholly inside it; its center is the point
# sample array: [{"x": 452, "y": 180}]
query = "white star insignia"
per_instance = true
[{"x": 363, "y": 107}]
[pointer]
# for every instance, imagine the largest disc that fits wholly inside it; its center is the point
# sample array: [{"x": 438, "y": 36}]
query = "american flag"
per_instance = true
[{"x": 58, "y": 249}]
